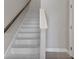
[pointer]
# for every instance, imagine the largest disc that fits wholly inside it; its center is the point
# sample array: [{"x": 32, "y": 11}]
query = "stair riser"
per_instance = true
[
  {"x": 31, "y": 22},
  {"x": 29, "y": 30},
  {"x": 27, "y": 42},
  {"x": 28, "y": 35},
  {"x": 21, "y": 56},
  {"x": 27, "y": 19},
  {"x": 32, "y": 15},
  {"x": 25, "y": 51},
  {"x": 30, "y": 26}
]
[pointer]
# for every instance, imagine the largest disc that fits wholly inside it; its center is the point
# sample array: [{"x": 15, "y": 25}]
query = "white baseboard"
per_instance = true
[{"x": 57, "y": 50}]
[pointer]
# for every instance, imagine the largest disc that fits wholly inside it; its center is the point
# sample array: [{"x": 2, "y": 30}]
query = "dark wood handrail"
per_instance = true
[{"x": 9, "y": 25}]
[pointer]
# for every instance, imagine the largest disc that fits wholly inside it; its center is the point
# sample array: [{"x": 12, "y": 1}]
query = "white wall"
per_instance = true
[
  {"x": 12, "y": 8},
  {"x": 71, "y": 30},
  {"x": 58, "y": 22},
  {"x": 33, "y": 10}
]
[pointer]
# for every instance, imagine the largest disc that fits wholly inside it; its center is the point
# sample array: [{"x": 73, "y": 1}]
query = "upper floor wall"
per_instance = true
[
  {"x": 12, "y": 8},
  {"x": 57, "y": 12}
]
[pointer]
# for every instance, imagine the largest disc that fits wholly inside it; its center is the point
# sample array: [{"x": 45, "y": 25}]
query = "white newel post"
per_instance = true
[
  {"x": 43, "y": 44},
  {"x": 43, "y": 30}
]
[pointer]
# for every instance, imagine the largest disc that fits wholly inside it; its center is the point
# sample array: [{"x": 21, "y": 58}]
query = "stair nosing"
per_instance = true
[
  {"x": 24, "y": 46},
  {"x": 26, "y": 38},
  {"x": 28, "y": 32},
  {"x": 31, "y": 27}
]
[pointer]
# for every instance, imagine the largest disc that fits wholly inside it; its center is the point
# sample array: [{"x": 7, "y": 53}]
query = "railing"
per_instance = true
[
  {"x": 43, "y": 30},
  {"x": 13, "y": 20}
]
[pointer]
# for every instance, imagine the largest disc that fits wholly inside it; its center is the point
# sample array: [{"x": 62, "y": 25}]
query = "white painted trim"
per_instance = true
[
  {"x": 43, "y": 28},
  {"x": 43, "y": 20},
  {"x": 42, "y": 44},
  {"x": 71, "y": 28},
  {"x": 57, "y": 50}
]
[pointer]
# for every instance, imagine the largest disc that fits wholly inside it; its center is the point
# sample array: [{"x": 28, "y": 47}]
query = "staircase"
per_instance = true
[
  {"x": 29, "y": 42},
  {"x": 26, "y": 43}
]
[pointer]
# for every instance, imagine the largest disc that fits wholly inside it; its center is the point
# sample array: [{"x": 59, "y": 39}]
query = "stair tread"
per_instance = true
[
  {"x": 21, "y": 38},
  {"x": 34, "y": 28},
  {"x": 27, "y": 43},
  {"x": 23, "y": 56},
  {"x": 26, "y": 51},
  {"x": 28, "y": 32},
  {"x": 31, "y": 18},
  {"x": 25, "y": 38},
  {"x": 25, "y": 46},
  {"x": 28, "y": 35},
  {"x": 31, "y": 22},
  {"x": 30, "y": 25}
]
